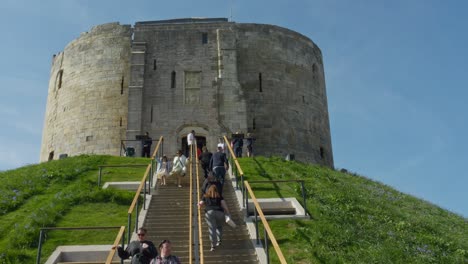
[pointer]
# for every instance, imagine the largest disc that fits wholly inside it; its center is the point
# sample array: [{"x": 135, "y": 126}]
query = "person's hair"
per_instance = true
[
  {"x": 212, "y": 192},
  {"x": 205, "y": 149},
  {"x": 143, "y": 229},
  {"x": 193, "y": 131},
  {"x": 146, "y": 133},
  {"x": 165, "y": 241},
  {"x": 179, "y": 152},
  {"x": 164, "y": 158}
]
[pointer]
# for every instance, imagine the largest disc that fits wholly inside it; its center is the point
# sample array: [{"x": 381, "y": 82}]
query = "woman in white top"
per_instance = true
[
  {"x": 178, "y": 167},
  {"x": 163, "y": 171}
]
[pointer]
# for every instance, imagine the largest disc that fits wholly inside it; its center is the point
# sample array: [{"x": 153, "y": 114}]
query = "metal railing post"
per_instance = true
[
  {"x": 38, "y": 258},
  {"x": 136, "y": 216},
  {"x": 144, "y": 197},
  {"x": 242, "y": 188},
  {"x": 304, "y": 198},
  {"x": 246, "y": 204},
  {"x": 266, "y": 246},
  {"x": 123, "y": 246},
  {"x": 256, "y": 226},
  {"x": 129, "y": 229},
  {"x": 99, "y": 177}
]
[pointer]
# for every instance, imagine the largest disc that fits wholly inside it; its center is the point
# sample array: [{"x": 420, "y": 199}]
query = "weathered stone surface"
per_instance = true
[{"x": 210, "y": 75}]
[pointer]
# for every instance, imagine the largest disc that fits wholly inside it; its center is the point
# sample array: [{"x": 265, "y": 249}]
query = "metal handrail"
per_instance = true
[
  {"x": 190, "y": 203},
  {"x": 160, "y": 144},
  {"x": 266, "y": 226},
  {"x": 120, "y": 237},
  {"x": 135, "y": 202},
  {"x": 115, "y": 166},
  {"x": 123, "y": 147},
  {"x": 303, "y": 192},
  {"x": 44, "y": 229},
  {"x": 200, "y": 239}
]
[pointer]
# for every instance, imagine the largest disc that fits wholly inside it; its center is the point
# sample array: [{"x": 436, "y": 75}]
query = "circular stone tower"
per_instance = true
[
  {"x": 87, "y": 103},
  {"x": 173, "y": 76}
]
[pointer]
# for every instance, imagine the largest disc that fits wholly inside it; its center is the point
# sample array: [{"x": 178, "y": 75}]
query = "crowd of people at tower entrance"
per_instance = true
[{"x": 214, "y": 166}]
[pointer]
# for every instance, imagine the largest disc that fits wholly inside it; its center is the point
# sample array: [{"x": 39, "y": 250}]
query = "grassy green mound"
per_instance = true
[
  {"x": 356, "y": 220},
  {"x": 61, "y": 193}
]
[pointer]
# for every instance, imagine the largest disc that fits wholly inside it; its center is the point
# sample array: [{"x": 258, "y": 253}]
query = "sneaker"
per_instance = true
[
  {"x": 218, "y": 244},
  {"x": 212, "y": 249},
  {"x": 180, "y": 186}
]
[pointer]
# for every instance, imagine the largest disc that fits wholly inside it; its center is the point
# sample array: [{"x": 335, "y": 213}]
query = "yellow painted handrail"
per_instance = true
[
  {"x": 190, "y": 203},
  {"x": 200, "y": 238},
  {"x": 157, "y": 147},
  {"x": 279, "y": 253},
  {"x": 137, "y": 194},
  {"x": 239, "y": 169},
  {"x": 115, "y": 245}
]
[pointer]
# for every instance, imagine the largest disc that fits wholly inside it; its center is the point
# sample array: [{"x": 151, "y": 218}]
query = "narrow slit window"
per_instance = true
[
  {"x": 260, "y": 82},
  {"x": 314, "y": 71},
  {"x": 60, "y": 75},
  {"x": 154, "y": 65},
  {"x": 322, "y": 153},
  {"x": 253, "y": 123},
  {"x": 204, "y": 38},
  {"x": 151, "y": 115},
  {"x": 121, "y": 121},
  {"x": 173, "y": 79},
  {"x": 122, "y": 85}
]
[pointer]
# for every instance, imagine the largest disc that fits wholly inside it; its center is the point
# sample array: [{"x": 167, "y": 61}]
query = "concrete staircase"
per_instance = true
[{"x": 168, "y": 218}]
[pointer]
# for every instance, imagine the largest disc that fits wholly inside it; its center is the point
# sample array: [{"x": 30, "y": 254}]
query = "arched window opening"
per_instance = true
[
  {"x": 173, "y": 79},
  {"x": 51, "y": 156}
]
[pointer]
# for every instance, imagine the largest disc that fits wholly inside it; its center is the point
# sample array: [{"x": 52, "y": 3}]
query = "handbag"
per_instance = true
[{"x": 229, "y": 221}]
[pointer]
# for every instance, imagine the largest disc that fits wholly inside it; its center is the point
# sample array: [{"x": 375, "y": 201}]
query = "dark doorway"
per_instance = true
[
  {"x": 51, "y": 156},
  {"x": 201, "y": 141}
]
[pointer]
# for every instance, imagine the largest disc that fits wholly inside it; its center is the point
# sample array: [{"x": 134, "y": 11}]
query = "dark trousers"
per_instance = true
[
  {"x": 238, "y": 152},
  {"x": 205, "y": 169},
  {"x": 219, "y": 173},
  {"x": 146, "y": 152}
]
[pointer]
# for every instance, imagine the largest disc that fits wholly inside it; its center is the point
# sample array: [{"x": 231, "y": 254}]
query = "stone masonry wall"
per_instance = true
[
  {"x": 181, "y": 87},
  {"x": 281, "y": 73},
  {"x": 87, "y": 100}
]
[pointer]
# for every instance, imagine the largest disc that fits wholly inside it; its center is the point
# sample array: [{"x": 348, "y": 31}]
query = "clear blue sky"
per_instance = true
[{"x": 396, "y": 75}]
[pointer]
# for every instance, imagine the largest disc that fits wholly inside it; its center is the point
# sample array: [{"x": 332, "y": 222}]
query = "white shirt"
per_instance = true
[{"x": 190, "y": 138}]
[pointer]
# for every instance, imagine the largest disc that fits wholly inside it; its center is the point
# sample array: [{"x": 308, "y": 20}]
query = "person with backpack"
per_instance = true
[
  {"x": 219, "y": 165},
  {"x": 205, "y": 158},
  {"x": 215, "y": 211}
]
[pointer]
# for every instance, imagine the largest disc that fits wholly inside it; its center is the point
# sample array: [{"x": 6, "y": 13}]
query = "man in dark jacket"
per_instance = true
[
  {"x": 146, "y": 146},
  {"x": 218, "y": 165},
  {"x": 205, "y": 158},
  {"x": 142, "y": 251}
]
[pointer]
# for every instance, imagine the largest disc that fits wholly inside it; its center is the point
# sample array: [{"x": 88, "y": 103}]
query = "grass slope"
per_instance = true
[
  {"x": 356, "y": 220},
  {"x": 56, "y": 193}
]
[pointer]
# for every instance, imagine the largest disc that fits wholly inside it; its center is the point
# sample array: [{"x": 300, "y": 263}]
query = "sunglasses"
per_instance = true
[{"x": 141, "y": 234}]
